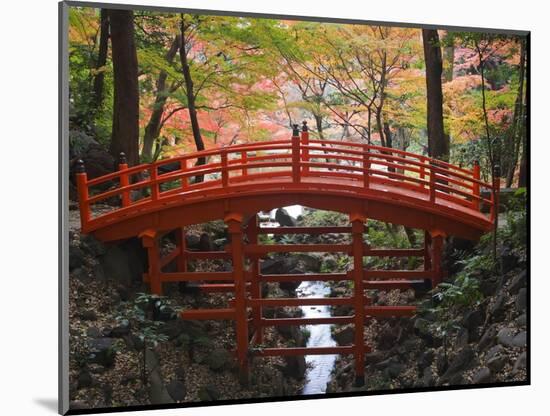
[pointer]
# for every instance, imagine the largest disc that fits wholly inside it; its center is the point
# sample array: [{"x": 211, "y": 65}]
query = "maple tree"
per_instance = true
[{"x": 207, "y": 81}]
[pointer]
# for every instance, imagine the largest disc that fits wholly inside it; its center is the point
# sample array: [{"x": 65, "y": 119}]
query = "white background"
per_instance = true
[{"x": 28, "y": 195}]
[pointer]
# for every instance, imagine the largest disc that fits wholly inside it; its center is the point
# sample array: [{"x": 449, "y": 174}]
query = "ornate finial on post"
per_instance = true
[
  {"x": 122, "y": 158},
  {"x": 80, "y": 167},
  {"x": 304, "y": 125},
  {"x": 295, "y": 130},
  {"x": 476, "y": 162}
]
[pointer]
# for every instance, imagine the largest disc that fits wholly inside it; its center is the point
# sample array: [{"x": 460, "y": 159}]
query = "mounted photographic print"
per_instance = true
[{"x": 261, "y": 208}]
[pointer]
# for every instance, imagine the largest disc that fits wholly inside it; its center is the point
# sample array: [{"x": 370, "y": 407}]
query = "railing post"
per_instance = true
[
  {"x": 82, "y": 188},
  {"x": 225, "y": 172},
  {"x": 295, "y": 154},
  {"x": 154, "y": 184},
  {"x": 244, "y": 161},
  {"x": 124, "y": 178},
  {"x": 432, "y": 181},
  {"x": 423, "y": 172},
  {"x": 184, "y": 179},
  {"x": 475, "y": 187},
  {"x": 366, "y": 168},
  {"x": 305, "y": 150}
]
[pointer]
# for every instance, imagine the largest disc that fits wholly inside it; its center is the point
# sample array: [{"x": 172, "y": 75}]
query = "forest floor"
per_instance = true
[
  {"x": 185, "y": 362},
  {"x": 127, "y": 349}
]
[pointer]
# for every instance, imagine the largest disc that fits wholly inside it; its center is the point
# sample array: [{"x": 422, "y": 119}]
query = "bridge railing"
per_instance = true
[{"x": 294, "y": 163}]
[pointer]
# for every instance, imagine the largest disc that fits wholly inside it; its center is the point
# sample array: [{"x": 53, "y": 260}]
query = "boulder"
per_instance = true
[
  {"x": 192, "y": 241},
  {"x": 520, "y": 340},
  {"x": 283, "y": 218},
  {"x": 344, "y": 335},
  {"x": 311, "y": 262},
  {"x": 208, "y": 393},
  {"x": 205, "y": 243},
  {"x": 393, "y": 370},
  {"x": 177, "y": 390},
  {"x": 374, "y": 357},
  {"x": 506, "y": 337},
  {"x": 496, "y": 363},
  {"x": 93, "y": 332},
  {"x": 121, "y": 330},
  {"x": 459, "y": 363},
  {"x": 76, "y": 257},
  {"x": 388, "y": 336},
  {"x": 88, "y": 315},
  {"x": 98, "y": 161},
  {"x": 473, "y": 319},
  {"x": 425, "y": 359},
  {"x": 158, "y": 393},
  {"x": 279, "y": 265},
  {"x": 295, "y": 367},
  {"x": 498, "y": 308},
  {"x": 79, "y": 143},
  {"x": 218, "y": 359},
  {"x": 519, "y": 281},
  {"x": 521, "y": 300},
  {"x": 91, "y": 245},
  {"x": 85, "y": 379},
  {"x": 521, "y": 362},
  {"x": 124, "y": 262},
  {"x": 427, "y": 379},
  {"x": 483, "y": 375},
  {"x": 489, "y": 286},
  {"x": 102, "y": 351},
  {"x": 488, "y": 338},
  {"x": 494, "y": 351},
  {"x": 509, "y": 260}
]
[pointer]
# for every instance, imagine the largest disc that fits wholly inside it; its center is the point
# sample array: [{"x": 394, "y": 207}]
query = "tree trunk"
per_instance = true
[
  {"x": 438, "y": 146},
  {"x": 125, "y": 133},
  {"x": 522, "y": 180},
  {"x": 152, "y": 130},
  {"x": 101, "y": 60},
  {"x": 517, "y": 131},
  {"x": 190, "y": 93},
  {"x": 319, "y": 125}
]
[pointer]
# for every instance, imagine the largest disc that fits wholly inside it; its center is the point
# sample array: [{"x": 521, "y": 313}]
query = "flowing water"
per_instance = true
[{"x": 319, "y": 366}]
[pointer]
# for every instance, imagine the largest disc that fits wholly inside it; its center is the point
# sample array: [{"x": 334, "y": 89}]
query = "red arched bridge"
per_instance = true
[{"x": 235, "y": 183}]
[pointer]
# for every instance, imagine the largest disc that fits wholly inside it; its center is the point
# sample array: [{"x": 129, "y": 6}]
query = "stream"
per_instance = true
[{"x": 319, "y": 366}]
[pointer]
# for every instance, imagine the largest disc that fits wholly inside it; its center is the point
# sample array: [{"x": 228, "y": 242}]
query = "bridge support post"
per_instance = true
[
  {"x": 255, "y": 284},
  {"x": 234, "y": 224},
  {"x": 181, "y": 244},
  {"x": 357, "y": 227},
  {"x": 150, "y": 241}
]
